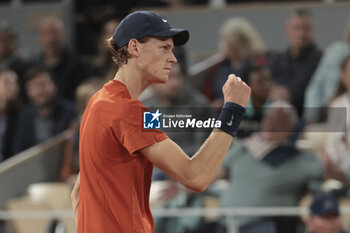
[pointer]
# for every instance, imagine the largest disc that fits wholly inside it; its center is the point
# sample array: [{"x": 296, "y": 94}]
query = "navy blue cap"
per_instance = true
[
  {"x": 324, "y": 204},
  {"x": 145, "y": 23}
]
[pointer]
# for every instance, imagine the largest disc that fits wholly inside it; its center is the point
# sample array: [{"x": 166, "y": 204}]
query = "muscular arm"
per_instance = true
[{"x": 198, "y": 172}]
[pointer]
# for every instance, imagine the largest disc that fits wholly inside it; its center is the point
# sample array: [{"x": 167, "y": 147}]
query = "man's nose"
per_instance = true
[{"x": 172, "y": 58}]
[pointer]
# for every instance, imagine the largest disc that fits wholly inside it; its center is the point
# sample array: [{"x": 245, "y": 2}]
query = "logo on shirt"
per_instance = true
[{"x": 151, "y": 120}]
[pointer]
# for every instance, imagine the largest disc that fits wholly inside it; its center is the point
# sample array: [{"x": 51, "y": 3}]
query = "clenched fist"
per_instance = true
[{"x": 235, "y": 90}]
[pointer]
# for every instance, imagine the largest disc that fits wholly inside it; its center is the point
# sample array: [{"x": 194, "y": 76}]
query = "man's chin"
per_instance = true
[
  {"x": 161, "y": 80},
  {"x": 44, "y": 104}
]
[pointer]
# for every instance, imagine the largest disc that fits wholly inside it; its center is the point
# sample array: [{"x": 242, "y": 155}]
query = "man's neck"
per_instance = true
[
  {"x": 296, "y": 51},
  {"x": 132, "y": 78},
  {"x": 52, "y": 57},
  {"x": 46, "y": 109}
]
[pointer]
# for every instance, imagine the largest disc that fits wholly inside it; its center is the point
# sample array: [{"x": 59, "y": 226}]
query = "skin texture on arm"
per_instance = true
[{"x": 199, "y": 171}]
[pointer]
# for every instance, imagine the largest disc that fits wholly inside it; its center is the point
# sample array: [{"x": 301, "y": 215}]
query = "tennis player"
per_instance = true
[{"x": 117, "y": 155}]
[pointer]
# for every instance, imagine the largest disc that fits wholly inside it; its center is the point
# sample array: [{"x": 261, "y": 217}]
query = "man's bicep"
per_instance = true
[{"x": 169, "y": 157}]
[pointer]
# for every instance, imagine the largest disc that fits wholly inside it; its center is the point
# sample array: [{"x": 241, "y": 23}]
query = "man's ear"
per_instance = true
[{"x": 133, "y": 47}]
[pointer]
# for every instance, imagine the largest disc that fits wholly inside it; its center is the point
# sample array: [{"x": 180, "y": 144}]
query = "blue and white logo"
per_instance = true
[{"x": 151, "y": 120}]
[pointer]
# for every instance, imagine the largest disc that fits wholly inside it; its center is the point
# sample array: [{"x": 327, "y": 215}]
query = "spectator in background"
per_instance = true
[
  {"x": 324, "y": 82},
  {"x": 46, "y": 115},
  {"x": 284, "y": 171},
  {"x": 103, "y": 65},
  {"x": 293, "y": 68},
  {"x": 9, "y": 108},
  {"x": 338, "y": 140},
  {"x": 63, "y": 64},
  {"x": 70, "y": 164},
  {"x": 92, "y": 15},
  {"x": 239, "y": 42},
  {"x": 259, "y": 80},
  {"x": 324, "y": 215},
  {"x": 180, "y": 53},
  {"x": 9, "y": 59}
]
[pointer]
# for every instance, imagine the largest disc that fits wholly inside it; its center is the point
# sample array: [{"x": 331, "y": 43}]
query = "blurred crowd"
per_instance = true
[{"x": 292, "y": 90}]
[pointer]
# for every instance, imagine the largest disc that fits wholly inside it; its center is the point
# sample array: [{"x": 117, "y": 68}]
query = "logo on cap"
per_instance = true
[{"x": 145, "y": 23}]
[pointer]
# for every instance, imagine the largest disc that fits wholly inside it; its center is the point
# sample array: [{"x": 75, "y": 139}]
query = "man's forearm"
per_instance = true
[{"x": 207, "y": 161}]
